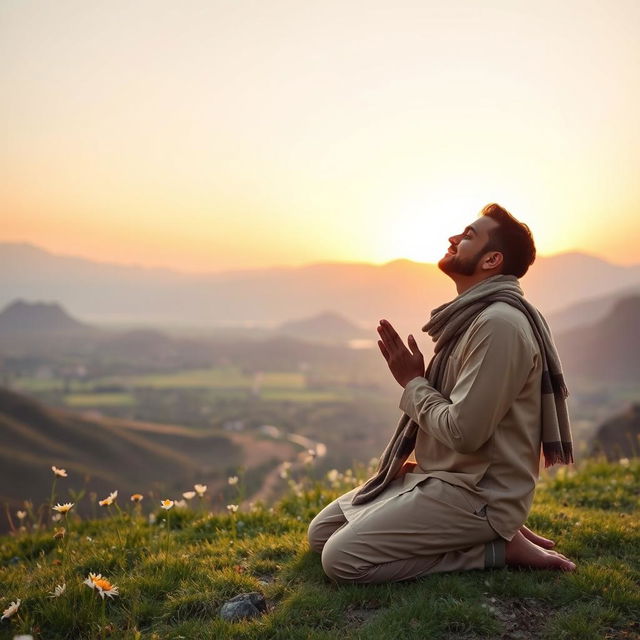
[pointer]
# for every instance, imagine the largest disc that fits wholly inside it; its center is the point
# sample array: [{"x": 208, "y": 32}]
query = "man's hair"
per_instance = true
[{"x": 512, "y": 238}]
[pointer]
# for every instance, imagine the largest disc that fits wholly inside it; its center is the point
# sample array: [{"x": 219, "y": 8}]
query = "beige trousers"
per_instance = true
[{"x": 431, "y": 528}]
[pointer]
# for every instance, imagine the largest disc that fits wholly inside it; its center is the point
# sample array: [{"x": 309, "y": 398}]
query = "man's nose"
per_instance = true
[{"x": 454, "y": 240}]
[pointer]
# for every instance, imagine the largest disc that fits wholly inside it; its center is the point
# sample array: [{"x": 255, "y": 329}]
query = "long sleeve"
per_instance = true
[{"x": 494, "y": 365}]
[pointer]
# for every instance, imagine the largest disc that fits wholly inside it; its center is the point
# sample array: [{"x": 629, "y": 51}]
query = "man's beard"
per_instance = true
[{"x": 461, "y": 266}]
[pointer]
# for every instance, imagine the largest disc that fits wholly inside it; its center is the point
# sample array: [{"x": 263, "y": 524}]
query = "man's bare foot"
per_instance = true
[
  {"x": 521, "y": 552},
  {"x": 545, "y": 543}
]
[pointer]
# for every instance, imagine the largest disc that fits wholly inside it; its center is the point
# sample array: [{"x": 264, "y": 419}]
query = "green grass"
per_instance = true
[{"x": 172, "y": 583}]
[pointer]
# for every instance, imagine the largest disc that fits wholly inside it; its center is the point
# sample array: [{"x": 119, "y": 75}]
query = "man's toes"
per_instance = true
[
  {"x": 542, "y": 542},
  {"x": 538, "y": 540},
  {"x": 563, "y": 563}
]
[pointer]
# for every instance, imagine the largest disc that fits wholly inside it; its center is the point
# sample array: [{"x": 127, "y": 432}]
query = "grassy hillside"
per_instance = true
[
  {"x": 173, "y": 575},
  {"x": 107, "y": 453}
]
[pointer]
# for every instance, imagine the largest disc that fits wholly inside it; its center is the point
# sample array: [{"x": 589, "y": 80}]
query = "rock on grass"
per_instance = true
[{"x": 245, "y": 605}]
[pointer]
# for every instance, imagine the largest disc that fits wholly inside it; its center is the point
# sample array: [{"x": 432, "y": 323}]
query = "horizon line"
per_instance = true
[{"x": 328, "y": 261}]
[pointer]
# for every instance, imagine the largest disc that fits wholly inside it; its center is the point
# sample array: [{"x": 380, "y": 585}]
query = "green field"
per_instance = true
[
  {"x": 214, "y": 378},
  {"x": 79, "y": 400},
  {"x": 30, "y": 384},
  {"x": 217, "y": 382},
  {"x": 302, "y": 395},
  {"x": 174, "y": 575}
]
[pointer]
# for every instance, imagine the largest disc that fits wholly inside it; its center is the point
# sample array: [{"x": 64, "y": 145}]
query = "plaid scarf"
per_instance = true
[{"x": 447, "y": 324}]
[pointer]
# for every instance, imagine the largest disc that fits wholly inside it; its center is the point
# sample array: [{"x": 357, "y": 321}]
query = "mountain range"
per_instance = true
[
  {"x": 608, "y": 349},
  {"x": 42, "y": 329},
  {"x": 619, "y": 436},
  {"x": 402, "y": 291}
]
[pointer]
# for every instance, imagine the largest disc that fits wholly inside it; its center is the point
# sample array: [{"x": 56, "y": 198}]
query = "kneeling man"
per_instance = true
[{"x": 476, "y": 421}]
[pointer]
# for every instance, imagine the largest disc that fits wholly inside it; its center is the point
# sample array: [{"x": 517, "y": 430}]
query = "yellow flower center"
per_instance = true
[{"x": 104, "y": 584}]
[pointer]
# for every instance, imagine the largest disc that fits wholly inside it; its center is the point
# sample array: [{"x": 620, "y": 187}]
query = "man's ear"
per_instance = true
[{"x": 493, "y": 260}]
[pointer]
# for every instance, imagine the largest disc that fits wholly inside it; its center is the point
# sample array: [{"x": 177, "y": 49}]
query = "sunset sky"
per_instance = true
[{"x": 218, "y": 134}]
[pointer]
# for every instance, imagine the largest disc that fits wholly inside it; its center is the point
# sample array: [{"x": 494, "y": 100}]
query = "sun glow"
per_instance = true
[
  {"x": 423, "y": 223},
  {"x": 124, "y": 147}
]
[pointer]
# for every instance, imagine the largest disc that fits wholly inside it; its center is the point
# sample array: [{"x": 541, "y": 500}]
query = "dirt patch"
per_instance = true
[
  {"x": 631, "y": 633},
  {"x": 358, "y": 615},
  {"x": 522, "y": 618}
]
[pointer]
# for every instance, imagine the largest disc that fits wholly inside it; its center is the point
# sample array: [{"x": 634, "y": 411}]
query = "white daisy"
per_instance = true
[
  {"x": 58, "y": 591},
  {"x": 102, "y": 585},
  {"x": 11, "y": 609},
  {"x": 63, "y": 508}
]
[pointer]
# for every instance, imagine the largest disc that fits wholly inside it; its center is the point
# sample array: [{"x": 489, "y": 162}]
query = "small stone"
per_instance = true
[{"x": 245, "y": 605}]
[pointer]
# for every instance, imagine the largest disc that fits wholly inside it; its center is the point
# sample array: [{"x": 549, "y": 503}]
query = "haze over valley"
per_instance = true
[{"x": 244, "y": 372}]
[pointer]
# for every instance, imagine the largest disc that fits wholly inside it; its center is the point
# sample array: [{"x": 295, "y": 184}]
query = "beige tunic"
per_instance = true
[{"x": 483, "y": 432}]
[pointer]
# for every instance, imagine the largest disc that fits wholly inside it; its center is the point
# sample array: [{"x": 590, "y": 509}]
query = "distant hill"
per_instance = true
[
  {"x": 590, "y": 310},
  {"x": 402, "y": 291},
  {"x": 44, "y": 329},
  {"x": 619, "y": 437},
  {"x": 37, "y": 317},
  {"x": 107, "y": 453},
  {"x": 152, "y": 348},
  {"x": 47, "y": 329},
  {"x": 607, "y": 350},
  {"x": 328, "y": 326},
  {"x": 317, "y": 344},
  {"x": 556, "y": 282}
]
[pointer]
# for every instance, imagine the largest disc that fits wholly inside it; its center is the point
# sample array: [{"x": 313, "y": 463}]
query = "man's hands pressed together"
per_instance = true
[{"x": 405, "y": 365}]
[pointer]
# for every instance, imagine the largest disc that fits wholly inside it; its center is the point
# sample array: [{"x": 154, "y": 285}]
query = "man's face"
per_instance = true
[{"x": 467, "y": 248}]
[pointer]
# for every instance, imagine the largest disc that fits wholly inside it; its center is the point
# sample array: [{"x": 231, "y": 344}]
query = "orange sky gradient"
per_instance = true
[{"x": 223, "y": 134}]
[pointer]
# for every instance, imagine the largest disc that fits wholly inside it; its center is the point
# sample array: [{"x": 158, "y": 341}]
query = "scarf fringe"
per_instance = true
[{"x": 557, "y": 452}]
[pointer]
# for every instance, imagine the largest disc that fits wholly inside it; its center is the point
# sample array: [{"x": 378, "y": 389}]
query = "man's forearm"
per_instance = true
[{"x": 432, "y": 411}]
